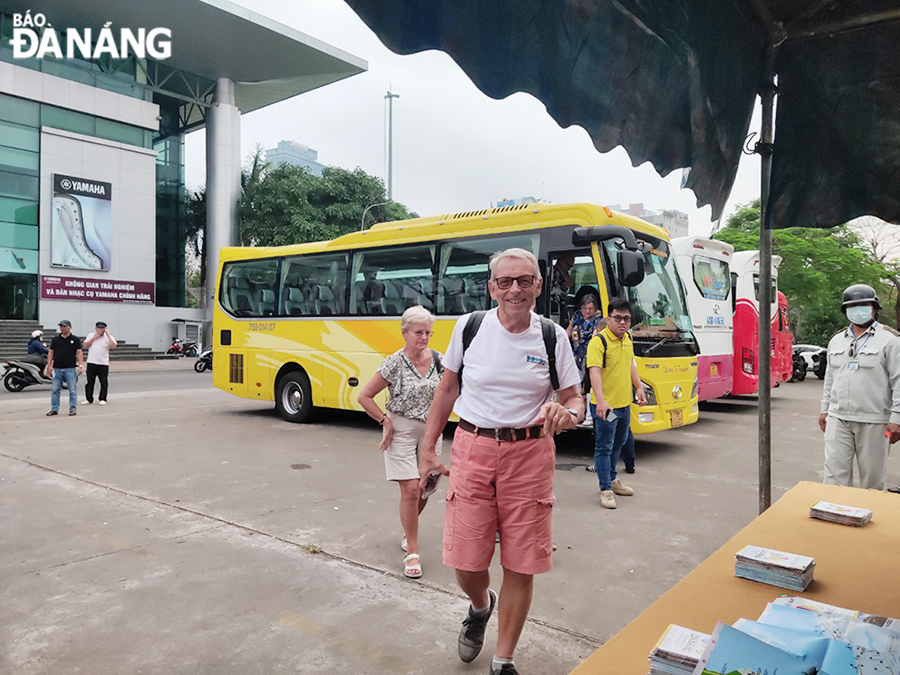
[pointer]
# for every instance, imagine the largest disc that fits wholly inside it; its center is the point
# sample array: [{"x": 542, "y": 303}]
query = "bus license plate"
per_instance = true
[
  {"x": 713, "y": 370},
  {"x": 677, "y": 417}
]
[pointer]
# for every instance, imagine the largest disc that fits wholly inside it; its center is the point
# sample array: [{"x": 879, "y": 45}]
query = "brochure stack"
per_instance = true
[
  {"x": 796, "y": 636},
  {"x": 777, "y": 568},
  {"x": 678, "y": 651},
  {"x": 838, "y": 513}
]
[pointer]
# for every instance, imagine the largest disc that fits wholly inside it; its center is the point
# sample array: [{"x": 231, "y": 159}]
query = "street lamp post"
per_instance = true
[
  {"x": 390, "y": 96},
  {"x": 362, "y": 223}
]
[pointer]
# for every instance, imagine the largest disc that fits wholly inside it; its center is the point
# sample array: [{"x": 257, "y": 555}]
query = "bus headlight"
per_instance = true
[
  {"x": 694, "y": 389},
  {"x": 650, "y": 394},
  {"x": 645, "y": 418}
]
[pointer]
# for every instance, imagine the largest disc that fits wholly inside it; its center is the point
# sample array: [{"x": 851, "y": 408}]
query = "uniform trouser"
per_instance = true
[
  {"x": 94, "y": 371},
  {"x": 864, "y": 440}
]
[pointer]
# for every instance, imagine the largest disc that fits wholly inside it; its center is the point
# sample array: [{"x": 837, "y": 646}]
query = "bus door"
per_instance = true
[{"x": 571, "y": 276}]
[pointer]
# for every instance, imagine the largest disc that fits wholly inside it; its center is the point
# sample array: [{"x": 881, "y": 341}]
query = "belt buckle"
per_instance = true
[{"x": 497, "y": 434}]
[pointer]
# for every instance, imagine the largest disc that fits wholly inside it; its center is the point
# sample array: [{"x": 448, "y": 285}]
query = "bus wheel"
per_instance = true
[{"x": 293, "y": 397}]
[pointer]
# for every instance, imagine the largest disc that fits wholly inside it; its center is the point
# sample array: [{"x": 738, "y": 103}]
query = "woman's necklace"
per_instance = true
[{"x": 418, "y": 360}]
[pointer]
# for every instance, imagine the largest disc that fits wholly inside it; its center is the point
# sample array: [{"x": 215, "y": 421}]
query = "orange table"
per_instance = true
[{"x": 856, "y": 567}]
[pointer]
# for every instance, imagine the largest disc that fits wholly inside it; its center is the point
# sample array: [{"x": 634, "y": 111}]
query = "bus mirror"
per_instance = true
[{"x": 630, "y": 267}]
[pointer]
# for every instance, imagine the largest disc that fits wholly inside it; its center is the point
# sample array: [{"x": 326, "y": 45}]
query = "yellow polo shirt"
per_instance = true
[{"x": 617, "y": 374}]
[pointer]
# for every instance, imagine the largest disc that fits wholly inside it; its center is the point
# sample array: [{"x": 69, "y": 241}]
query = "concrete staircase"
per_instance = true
[{"x": 14, "y": 337}]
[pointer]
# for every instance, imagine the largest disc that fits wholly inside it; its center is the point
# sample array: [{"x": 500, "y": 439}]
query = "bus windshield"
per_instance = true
[
  {"x": 658, "y": 306},
  {"x": 711, "y": 277}
]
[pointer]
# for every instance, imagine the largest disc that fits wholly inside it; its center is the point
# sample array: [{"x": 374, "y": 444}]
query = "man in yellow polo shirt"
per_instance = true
[{"x": 610, "y": 362}]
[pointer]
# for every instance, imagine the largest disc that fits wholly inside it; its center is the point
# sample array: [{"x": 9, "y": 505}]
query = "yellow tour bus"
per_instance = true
[{"x": 306, "y": 325}]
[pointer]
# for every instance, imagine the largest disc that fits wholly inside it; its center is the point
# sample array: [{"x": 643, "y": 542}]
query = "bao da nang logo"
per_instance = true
[{"x": 33, "y": 36}]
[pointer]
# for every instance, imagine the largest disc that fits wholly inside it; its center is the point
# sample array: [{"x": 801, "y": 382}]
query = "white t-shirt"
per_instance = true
[
  {"x": 507, "y": 379},
  {"x": 98, "y": 352}
]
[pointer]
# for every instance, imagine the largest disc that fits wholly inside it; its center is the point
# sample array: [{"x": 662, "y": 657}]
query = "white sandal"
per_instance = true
[
  {"x": 404, "y": 545},
  {"x": 412, "y": 570}
]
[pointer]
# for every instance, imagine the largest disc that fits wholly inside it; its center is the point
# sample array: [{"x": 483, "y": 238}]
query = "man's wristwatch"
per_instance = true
[{"x": 575, "y": 415}]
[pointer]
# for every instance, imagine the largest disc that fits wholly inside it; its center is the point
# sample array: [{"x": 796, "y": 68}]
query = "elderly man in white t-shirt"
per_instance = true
[
  {"x": 503, "y": 452},
  {"x": 98, "y": 345}
]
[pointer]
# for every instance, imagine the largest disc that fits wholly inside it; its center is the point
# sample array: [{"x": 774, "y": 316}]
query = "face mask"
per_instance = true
[{"x": 859, "y": 315}]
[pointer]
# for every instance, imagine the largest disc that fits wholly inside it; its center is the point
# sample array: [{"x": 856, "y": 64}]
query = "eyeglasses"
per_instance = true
[
  {"x": 506, "y": 282},
  {"x": 421, "y": 333},
  {"x": 620, "y": 319}
]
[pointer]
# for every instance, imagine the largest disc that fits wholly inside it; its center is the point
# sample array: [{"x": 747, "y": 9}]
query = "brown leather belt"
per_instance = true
[{"x": 505, "y": 434}]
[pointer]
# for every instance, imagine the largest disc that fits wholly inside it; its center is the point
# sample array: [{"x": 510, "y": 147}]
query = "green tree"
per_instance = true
[
  {"x": 817, "y": 265},
  {"x": 289, "y": 205}
]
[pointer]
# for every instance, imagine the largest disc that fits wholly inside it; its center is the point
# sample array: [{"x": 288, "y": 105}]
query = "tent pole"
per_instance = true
[{"x": 767, "y": 95}]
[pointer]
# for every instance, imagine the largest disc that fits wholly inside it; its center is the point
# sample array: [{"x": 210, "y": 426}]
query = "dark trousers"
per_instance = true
[{"x": 95, "y": 371}]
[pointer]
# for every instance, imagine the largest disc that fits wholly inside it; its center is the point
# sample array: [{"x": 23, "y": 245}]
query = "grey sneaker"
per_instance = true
[
  {"x": 471, "y": 637},
  {"x": 505, "y": 669}
]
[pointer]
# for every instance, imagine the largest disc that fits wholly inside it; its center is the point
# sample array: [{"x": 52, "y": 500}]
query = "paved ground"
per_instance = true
[{"x": 181, "y": 530}]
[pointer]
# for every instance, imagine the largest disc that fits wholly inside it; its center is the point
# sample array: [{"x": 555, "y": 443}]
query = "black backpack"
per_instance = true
[{"x": 548, "y": 329}]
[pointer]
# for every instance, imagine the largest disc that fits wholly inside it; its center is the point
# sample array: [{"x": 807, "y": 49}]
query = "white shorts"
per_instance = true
[{"x": 401, "y": 459}]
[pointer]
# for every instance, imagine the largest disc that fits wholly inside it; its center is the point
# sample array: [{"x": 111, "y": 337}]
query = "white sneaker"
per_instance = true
[
  {"x": 607, "y": 499},
  {"x": 85, "y": 402},
  {"x": 102, "y": 402},
  {"x": 621, "y": 489}
]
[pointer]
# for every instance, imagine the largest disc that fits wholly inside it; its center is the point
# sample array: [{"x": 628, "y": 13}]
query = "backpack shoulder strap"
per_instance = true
[
  {"x": 605, "y": 347},
  {"x": 548, "y": 329},
  {"x": 438, "y": 366},
  {"x": 469, "y": 331},
  {"x": 472, "y": 326}
]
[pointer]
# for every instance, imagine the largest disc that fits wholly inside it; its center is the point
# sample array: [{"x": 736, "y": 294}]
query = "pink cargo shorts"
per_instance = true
[{"x": 505, "y": 487}]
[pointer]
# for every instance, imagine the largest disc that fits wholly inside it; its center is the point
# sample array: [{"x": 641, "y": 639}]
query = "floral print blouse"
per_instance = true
[{"x": 409, "y": 392}]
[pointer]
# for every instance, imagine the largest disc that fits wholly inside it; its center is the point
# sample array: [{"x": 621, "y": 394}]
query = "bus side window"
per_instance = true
[
  {"x": 462, "y": 285},
  {"x": 734, "y": 281},
  {"x": 314, "y": 285},
  {"x": 388, "y": 281},
  {"x": 249, "y": 288}
]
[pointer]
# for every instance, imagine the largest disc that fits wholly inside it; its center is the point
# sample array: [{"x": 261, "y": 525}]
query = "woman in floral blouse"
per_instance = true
[
  {"x": 410, "y": 375},
  {"x": 580, "y": 330}
]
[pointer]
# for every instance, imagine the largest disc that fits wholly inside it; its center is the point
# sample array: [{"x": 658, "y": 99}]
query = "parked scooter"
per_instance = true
[
  {"x": 21, "y": 373},
  {"x": 205, "y": 361},
  {"x": 821, "y": 361},
  {"x": 183, "y": 347},
  {"x": 799, "y": 372}
]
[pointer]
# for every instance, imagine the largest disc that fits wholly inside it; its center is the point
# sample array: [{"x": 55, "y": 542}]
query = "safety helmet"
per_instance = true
[
  {"x": 859, "y": 293},
  {"x": 36, "y": 333}
]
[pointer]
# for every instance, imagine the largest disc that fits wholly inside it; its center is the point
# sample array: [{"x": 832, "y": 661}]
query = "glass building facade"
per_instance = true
[{"x": 20, "y": 139}]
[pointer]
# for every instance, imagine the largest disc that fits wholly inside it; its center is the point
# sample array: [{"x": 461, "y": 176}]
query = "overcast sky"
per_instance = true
[{"x": 455, "y": 149}]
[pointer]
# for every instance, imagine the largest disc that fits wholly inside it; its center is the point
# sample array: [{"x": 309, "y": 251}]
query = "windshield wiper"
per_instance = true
[{"x": 658, "y": 344}]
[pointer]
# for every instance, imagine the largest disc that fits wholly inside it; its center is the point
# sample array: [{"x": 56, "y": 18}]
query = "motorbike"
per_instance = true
[
  {"x": 821, "y": 361},
  {"x": 205, "y": 361},
  {"x": 799, "y": 372},
  {"x": 20, "y": 373},
  {"x": 183, "y": 347}
]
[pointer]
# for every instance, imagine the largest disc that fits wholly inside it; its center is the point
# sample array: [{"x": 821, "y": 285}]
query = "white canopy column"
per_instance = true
[{"x": 223, "y": 186}]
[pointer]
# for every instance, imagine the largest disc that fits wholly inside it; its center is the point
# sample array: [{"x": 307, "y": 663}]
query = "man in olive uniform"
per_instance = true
[{"x": 861, "y": 399}]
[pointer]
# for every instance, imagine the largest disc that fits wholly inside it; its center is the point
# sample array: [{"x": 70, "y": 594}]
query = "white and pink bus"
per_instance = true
[
  {"x": 745, "y": 294},
  {"x": 705, "y": 268}
]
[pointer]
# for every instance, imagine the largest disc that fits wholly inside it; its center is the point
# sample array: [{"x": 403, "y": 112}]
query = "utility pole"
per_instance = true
[{"x": 390, "y": 169}]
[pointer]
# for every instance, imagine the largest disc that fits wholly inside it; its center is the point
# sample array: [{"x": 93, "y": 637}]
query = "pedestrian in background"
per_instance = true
[
  {"x": 410, "y": 375},
  {"x": 613, "y": 372},
  {"x": 98, "y": 344},
  {"x": 582, "y": 326},
  {"x": 65, "y": 362},
  {"x": 37, "y": 352},
  {"x": 861, "y": 397},
  {"x": 501, "y": 477}
]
